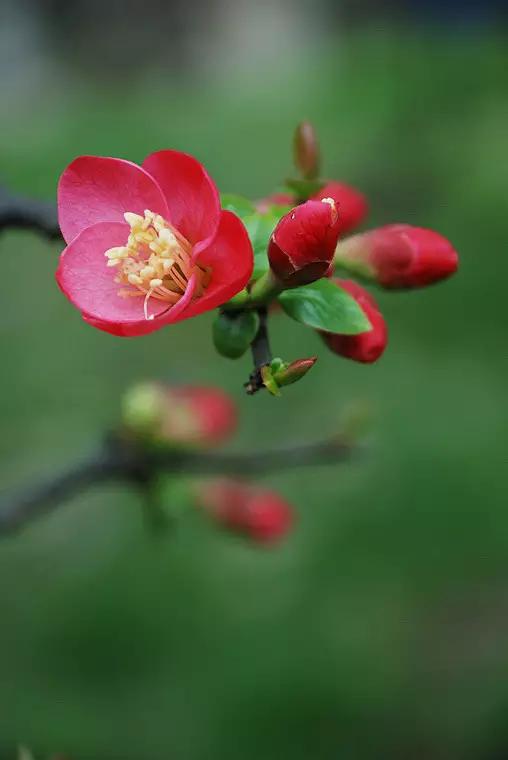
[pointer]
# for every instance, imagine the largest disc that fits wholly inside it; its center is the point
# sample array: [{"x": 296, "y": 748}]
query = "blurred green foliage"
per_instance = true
[{"x": 379, "y": 628}]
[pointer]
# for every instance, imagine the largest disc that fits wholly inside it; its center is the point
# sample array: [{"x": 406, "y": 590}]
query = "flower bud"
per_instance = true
[
  {"x": 399, "y": 256},
  {"x": 256, "y": 513},
  {"x": 306, "y": 150},
  {"x": 302, "y": 245},
  {"x": 181, "y": 415},
  {"x": 286, "y": 374},
  {"x": 352, "y": 206},
  {"x": 365, "y": 347}
]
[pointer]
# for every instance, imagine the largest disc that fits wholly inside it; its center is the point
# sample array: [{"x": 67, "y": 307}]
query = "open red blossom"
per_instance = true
[
  {"x": 365, "y": 347},
  {"x": 257, "y": 513},
  {"x": 399, "y": 256},
  {"x": 302, "y": 245},
  {"x": 147, "y": 245},
  {"x": 352, "y": 206}
]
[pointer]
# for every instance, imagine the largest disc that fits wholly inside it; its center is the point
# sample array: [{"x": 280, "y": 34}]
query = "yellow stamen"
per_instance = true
[{"x": 155, "y": 262}]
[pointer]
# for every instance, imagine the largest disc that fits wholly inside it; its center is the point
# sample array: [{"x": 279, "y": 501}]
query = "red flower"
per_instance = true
[
  {"x": 352, "y": 206},
  {"x": 302, "y": 245},
  {"x": 257, "y": 513},
  {"x": 365, "y": 347},
  {"x": 147, "y": 246},
  {"x": 399, "y": 256},
  {"x": 188, "y": 415}
]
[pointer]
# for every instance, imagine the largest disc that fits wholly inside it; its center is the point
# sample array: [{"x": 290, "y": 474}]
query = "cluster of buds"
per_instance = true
[
  {"x": 180, "y": 417},
  {"x": 307, "y": 244}
]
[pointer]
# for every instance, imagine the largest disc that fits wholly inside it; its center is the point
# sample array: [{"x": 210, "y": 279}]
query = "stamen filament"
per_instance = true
[{"x": 155, "y": 262}]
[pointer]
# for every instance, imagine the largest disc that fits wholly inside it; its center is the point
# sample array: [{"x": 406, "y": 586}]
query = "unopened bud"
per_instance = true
[
  {"x": 180, "y": 415},
  {"x": 398, "y": 256},
  {"x": 256, "y": 513},
  {"x": 364, "y": 347},
  {"x": 287, "y": 374},
  {"x": 302, "y": 245},
  {"x": 306, "y": 150}
]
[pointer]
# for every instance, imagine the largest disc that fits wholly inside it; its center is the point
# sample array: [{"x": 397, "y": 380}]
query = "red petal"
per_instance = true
[
  {"x": 95, "y": 189},
  {"x": 231, "y": 259},
  {"x": 89, "y": 284},
  {"x": 191, "y": 195}
]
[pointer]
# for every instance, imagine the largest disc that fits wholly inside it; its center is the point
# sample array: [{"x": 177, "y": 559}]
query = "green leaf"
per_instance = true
[
  {"x": 260, "y": 227},
  {"x": 233, "y": 332},
  {"x": 269, "y": 381},
  {"x": 324, "y": 305},
  {"x": 239, "y": 205}
]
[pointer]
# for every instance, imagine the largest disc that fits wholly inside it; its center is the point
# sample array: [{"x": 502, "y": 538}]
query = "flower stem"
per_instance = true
[
  {"x": 265, "y": 289},
  {"x": 261, "y": 352}
]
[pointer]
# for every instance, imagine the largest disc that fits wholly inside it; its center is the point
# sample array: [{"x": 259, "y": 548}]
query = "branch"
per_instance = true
[
  {"x": 261, "y": 353},
  {"x": 117, "y": 459},
  {"x": 19, "y": 212}
]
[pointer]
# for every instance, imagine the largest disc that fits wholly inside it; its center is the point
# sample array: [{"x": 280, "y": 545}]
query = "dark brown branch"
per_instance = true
[
  {"x": 261, "y": 353},
  {"x": 19, "y": 212},
  {"x": 120, "y": 460},
  {"x": 45, "y": 496}
]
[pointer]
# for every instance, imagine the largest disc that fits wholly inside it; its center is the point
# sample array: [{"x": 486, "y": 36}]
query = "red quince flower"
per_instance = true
[
  {"x": 399, "y": 256},
  {"x": 302, "y": 246},
  {"x": 352, "y": 206},
  {"x": 147, "y": 245},
  {"x": 365, "y": 347},
  {"x": 184, "y": 415},
  {"x": 256, "y": 513}
]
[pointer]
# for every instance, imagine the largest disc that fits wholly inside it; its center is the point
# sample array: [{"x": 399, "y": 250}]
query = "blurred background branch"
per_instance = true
[
  {"x": 119, "y": 459},
  {"x": 21, "y": 212}
]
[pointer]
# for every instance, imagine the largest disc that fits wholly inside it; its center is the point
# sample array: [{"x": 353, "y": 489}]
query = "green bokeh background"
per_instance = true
[{"x": 379, "y": 628}]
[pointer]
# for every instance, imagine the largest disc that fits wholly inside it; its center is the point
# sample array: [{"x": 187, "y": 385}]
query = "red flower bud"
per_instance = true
[
  {"x": 351, "y": 205},
  {"x": 287, "y": 374},
  {"x": 257, "y": 513},
  {"x": 306, "y": 150},
  {"x": 302, "y": 245},
  {"x": 399, "y": 256},
  {"x": 184, "y": 415},
  {"x": 365, "y": 347}
]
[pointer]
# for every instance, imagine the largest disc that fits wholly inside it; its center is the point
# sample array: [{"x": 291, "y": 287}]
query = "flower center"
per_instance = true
[{"x": 156, "y": 262}]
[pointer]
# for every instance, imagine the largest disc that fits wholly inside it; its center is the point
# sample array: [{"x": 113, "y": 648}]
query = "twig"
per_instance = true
[
  {"x": 43, "y": 497},
  {"x": 121, "y": 460},
  {"x": 261, "y": 353},
  {"x": 19, "y": 212}
]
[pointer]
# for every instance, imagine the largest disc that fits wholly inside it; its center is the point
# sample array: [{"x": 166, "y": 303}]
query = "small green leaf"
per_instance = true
[
  {"x": 269, "y": 380},
  {"x": 234, "y": 331},
  {"x": 324, "y": 305},
  {"x": 239, "y": 205},
  {"x": 260, "y": 227}
]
